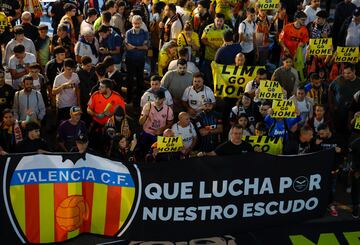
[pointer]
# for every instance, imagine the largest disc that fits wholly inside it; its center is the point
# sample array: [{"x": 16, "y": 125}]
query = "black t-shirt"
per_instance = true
[
  {"x": 65, "y": 43},
  {"x": 28, "y": 145},
  {"x": 6, "y": 97},
  {"x": 53, "y": 69},
  {"x": 228, "y": 148},
  {"x": 9, "y": 7}
]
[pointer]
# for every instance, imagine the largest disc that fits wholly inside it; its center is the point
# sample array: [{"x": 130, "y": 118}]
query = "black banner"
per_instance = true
[{"x": 175, "y": 201}]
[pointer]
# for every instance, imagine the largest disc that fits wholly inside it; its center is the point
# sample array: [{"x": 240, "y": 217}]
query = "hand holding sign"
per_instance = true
[
  {"x": 284, "y": 109},
  {"x": 347, "y": 54},
  {"x": 169, "y": 144},
  {"x": 270, "y": 90}
]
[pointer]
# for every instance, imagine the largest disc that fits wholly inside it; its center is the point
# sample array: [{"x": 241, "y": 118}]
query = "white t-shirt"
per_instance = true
[
  {"x": 304, "y": 108},
  {"x": 353, "y": 35},
  {"x": 83, "y": 49},
  {"x": 149, "y": 96},
  {"x": 311, "y": 14},
  {"x": 186, "y": 133},
  {"x": 176, "y": 28},
  {"x": 85, "y": 26},
  {"x": 36, "y": 85},
  {"x": 248, "y": 44},
  {"x": 66, "y": 97},
  {"x": 15, "y": 65},
  {"x": 195, "y": 99},
  {"x": 191, "y": 67}
]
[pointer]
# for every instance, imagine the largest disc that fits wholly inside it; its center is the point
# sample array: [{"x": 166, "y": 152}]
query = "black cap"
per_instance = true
[
  {"x": 82, "y": 138},
  {"x": 160, "y": 95},
  {"x": 322, "y": 14}
]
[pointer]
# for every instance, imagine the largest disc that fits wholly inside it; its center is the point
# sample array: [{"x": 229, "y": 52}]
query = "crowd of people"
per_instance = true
[{"x": 119, "y": 73}]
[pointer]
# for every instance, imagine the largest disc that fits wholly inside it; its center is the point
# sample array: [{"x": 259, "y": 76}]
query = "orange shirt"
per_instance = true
[
  {"x": 98, "y": 103},
  {"x": 292, "y": 36}
]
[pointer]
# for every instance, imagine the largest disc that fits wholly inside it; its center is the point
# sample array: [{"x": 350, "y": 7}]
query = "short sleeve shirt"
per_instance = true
[
  {"x": 195, "y": 98},
  {"x": 187, "y": 134},
  {"x": 149, "y": 96},
  {"x": 215, "y": 37},
  {"x": 157, "y": 118},
  {"x": 66, "y": 97},
  {"x": 98, "y": 103}
]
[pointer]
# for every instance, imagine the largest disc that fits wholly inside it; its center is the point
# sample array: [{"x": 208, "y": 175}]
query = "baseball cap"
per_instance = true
[
  {"x": 75, "y": 109},
  {"x": 160, "y": 95},
  {"x": 207, "y": 101},
  {"x": 82, "y": 138}
]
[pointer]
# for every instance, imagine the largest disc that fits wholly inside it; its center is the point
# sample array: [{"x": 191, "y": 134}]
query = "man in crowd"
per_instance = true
[
  {"x": 186, "y": 130},
  {"x": 212, "y": 39},
  {"x": 71, "y": 129},
  {"x": 101, "y": 107},
  {"x": 28, "y": 103},
  {"x": 155, "y": 118},
  {"x": 176, "y": 82},
  {"x": 66, "y": 89},
  {"x": 294, "y": 35},
  {"x": 287, "y": 76},
  {"x": 33, "y": 142},
  {"x": 247, "y": 32},
  {"x": 149, "y": 95},
  {"x": 234, "y": 146},
  {"x": 341, "y": 92},
  {"x": 210, "y": 126},
  {"x": 19, "y": 64},
  {"x": 194, "y": 95},
  {"x": 18, "y": 39}
]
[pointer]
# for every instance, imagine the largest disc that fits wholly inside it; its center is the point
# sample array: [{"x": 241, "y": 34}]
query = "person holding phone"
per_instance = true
[{"x": 210, "y": 126}]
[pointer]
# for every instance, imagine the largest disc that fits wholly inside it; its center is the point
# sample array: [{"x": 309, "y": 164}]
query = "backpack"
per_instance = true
[{"x": 243, "y": 22}]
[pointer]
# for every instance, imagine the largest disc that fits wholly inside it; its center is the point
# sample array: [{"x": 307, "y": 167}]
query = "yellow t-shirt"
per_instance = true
[
  {"x": 4, "y": 22},
  {"x": 215, "y": 37},
  {"x": 194, "y": 39},
  {"x": 163, "y": 63},
  {"x": 165, "y": 1},
  {"x": 224, "y": 7}
]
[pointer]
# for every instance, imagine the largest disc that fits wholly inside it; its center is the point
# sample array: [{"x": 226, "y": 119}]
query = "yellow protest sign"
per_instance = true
[
  {"x": 266, "y": 144},
  {"x": 283, "y": 109},
  {"x": 230, "y": 80},
  {"x": 320, "y": 46},
  {"x": 269, "y": 4},
  {"x": 169, "y": 144},
  {"x": 347, "y": 54},
  {"x": 357, "y": 123},
  {"x": 270, "y": 90}
]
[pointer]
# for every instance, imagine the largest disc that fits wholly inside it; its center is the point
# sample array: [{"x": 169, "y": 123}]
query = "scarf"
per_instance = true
[
  {"x": 17, "y": 132},
  {"x": 92, "y": 46},
  {"x": 33, "y": 7}
]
